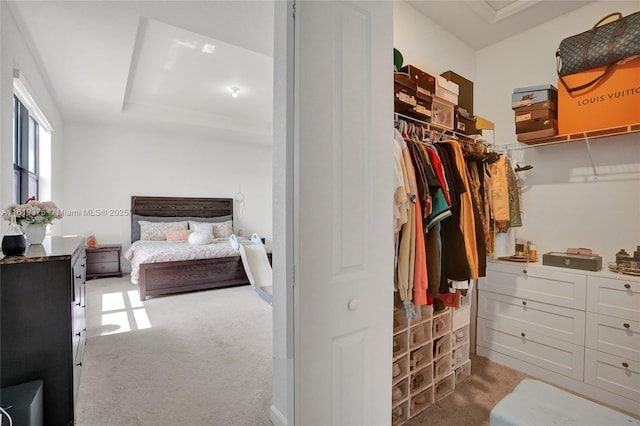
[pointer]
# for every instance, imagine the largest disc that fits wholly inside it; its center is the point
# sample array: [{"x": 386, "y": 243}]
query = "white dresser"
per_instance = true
[{"x": 577, "y": 329}]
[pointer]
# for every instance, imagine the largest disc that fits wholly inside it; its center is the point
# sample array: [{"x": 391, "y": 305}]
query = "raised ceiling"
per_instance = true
[{"x": 164, "y": 64}]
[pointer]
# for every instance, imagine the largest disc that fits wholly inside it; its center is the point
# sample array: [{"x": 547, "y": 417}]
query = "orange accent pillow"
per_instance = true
[{"x": 182, "y": 235}]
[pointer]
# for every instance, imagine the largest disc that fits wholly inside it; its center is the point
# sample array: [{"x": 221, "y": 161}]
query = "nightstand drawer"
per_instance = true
[
  {"x": 102, "y": 256},
  {"x": 103, "y": 268}
]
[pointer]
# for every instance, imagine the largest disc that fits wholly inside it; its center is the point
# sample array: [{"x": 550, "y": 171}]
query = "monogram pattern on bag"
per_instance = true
[{"x": 571, "y": 50}]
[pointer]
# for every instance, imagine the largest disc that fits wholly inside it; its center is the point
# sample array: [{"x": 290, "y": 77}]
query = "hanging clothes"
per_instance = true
[{"x": 500, "y": 193}]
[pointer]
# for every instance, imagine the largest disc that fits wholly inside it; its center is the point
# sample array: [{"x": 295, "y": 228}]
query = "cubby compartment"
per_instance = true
[
  {"x": 442, "y": 366},
  {"x": 459, "y": 355},
  {"x": 463, "y": 372},
  {"x": 399, "y": 320},
  {"x": 420, "y": 334},
  {"x": 423, "y": 313},
  {"x": 444, "y": 387},
  {"x": 460, "y": 336},
  {"x": 400, "y": 391},
  {"x": 419, "y": 358},
  {"x": 421, "y": 379},
  {"x": 441, "y": 345},
  {"x": 441, "y": 323},
  {"x": 400, "y": 343},
  {"x": 400, "y": 414},
  {"x": 465, "y": 299},
  {"x": 421, "y": 400},
  {"x": 400, "y": 368}
]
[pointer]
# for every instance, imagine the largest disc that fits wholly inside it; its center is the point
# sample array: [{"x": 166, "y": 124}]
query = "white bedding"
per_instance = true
[{"x": 168, "y": 251}]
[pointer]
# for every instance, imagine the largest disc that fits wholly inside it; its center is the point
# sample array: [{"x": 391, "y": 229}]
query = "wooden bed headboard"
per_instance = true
[
  {"x": 181, "y": 206},
  {"x": 177, "y": 207}
]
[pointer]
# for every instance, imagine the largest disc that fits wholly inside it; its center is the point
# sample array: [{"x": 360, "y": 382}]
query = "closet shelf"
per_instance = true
[{"x": 575, "y": 137}]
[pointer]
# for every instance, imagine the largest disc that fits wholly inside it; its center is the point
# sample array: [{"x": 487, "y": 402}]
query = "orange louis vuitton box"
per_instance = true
[{"x": 613, "y": 101}]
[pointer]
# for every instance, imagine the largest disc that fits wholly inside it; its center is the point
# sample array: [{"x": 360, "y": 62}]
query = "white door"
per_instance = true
[{"x": 343, "y": 236}]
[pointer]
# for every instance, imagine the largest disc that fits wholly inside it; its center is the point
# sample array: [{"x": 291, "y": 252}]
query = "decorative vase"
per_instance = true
[
  {"x": 35, "y": 232},
  {"x": 13, "y": 242}
]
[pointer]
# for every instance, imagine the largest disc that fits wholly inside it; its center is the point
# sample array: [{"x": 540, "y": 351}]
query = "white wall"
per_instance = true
[
  {"x": 564, "y": 205},
  {"x": 427, "y": 45},
  {"x": 106, "y": 165},
  {"x": 15, "y": 52}
]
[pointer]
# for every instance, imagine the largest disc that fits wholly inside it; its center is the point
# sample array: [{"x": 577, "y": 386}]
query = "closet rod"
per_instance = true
[{"x": 435, "y": 127}]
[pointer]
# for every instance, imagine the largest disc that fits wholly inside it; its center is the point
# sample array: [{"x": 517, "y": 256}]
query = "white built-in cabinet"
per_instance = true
[
  {"x": 577, "y": 329},
  {"x": 430, "y": 355}
]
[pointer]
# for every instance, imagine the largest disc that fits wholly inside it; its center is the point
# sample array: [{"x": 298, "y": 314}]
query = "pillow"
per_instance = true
[
  {"x": 156, "y": 231},
  {"x": 201, "y": 227},
  {"x": 200, "y": 238},
  {"x": 182, "y": 235},
  {"x": 136, "y": 218},
  {"x": 223, "y": 229}
]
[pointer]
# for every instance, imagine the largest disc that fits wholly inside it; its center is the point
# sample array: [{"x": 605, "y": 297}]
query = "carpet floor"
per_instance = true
[
  {"x": 200, "y": 358},
  {"x": 204, "y": 358}
]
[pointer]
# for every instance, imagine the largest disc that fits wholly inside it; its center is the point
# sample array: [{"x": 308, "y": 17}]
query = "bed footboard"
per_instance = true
[{"x": 178, "y": 277}]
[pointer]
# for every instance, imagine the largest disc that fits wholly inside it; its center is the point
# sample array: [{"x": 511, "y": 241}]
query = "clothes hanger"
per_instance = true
[{"x": 520, "y": 168}]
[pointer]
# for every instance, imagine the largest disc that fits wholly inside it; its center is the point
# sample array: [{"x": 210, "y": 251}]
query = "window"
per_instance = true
[{"x": 25, "y": 153}]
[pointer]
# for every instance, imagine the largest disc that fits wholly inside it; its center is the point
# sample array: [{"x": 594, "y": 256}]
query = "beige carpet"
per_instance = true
[
  {"x": 204, "y": 360},
  {"x": 474, "y": 398}
]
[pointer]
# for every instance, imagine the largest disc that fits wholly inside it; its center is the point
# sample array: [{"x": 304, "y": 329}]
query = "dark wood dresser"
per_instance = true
[
  {"x": 44, "y": 322},
  {"x": 104, "y": 261}
]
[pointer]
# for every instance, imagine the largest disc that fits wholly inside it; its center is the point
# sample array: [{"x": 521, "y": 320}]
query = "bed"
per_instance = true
[{"x": 177, "y": 276}]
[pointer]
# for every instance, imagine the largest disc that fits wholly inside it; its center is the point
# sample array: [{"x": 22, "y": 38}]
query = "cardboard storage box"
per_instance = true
[
  {"x": 442, "y": 113},
  {"x": 426, "y": 83},
  {"x": 572, "y": 261},
  {"x": 524, "y": 96},
  {"x": 465, "y": 122},
  {"x": 537, "y": 124},
  {"x": 447, "y": 90},
  {"x": 614, "y": 101},
  {"x": 537, "y": 134},
  {"x": 422, "y": 110},
  {"x": 465, "y": 91},
  {"x": 535, "y": 114},
  {"x": 404, "y": 93},
  {"x": 544, "y": 105}
]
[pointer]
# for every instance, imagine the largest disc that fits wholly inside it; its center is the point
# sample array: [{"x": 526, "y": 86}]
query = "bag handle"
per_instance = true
[
  {"x": 589, "y": 84},
  {"x": 618, "y": 14}
]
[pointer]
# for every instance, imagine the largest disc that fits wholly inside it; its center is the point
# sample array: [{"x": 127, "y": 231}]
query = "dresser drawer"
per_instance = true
[
  {"x": 552, "y": 354},
  {"x": 616, "y": 297},
  {"x": 528, "y": 315},
  {"x": 616, "y": 336},
  {"x": 103, "y": 268},
  {"x": 103, "y": 256},
  {"x": 536, "y": 283},
  {"x": 615, "y": 374}
]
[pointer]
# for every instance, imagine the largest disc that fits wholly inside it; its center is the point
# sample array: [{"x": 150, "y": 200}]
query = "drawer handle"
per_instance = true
[
  {"x": 78, "y": 334},
  {"x": 524, "y": 302},
  {"x": 79, "y": 364},
  {"x": 522, "y": 334},
  {"x": 78, "y": 276},
  {"x": 627, "y": 286},
  {"x": 625, "y": 364},
  {"x": 524, "y": 271},
  {"x": 78, "y": 304},
  {"x": 626, "y": 325}
]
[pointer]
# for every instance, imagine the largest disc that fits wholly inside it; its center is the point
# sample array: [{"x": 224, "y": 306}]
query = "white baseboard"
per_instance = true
[{"x": 277, "y": 418}]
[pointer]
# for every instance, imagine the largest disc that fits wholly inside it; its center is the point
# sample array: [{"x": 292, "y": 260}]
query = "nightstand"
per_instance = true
[{"x": 104, "y": 261}]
